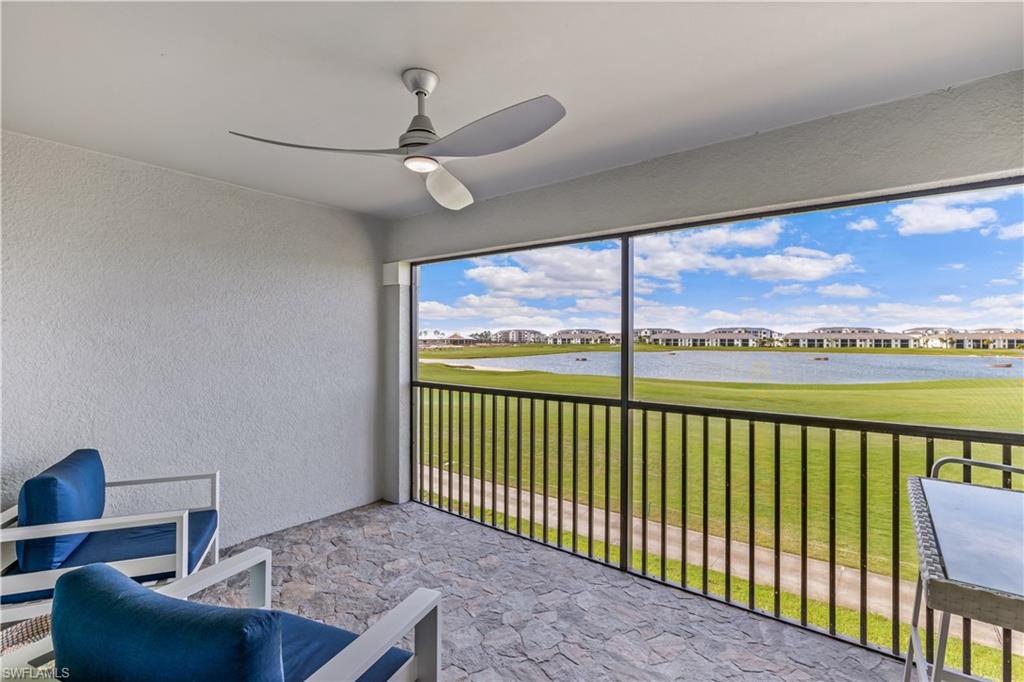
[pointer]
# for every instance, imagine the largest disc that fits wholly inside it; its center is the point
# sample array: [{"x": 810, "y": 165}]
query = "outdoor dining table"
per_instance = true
[{"x": 970, "y": 543}]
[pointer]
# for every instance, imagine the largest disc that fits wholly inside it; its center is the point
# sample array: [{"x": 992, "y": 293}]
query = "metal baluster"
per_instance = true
[
  {"x": 533, "y": 457},
  {"x": 664, "y": 486},
  {"x": 504, "y": 471},
  {"x": 683, "y": 484},
  {"x": 590, "y": 480},
  {"x": 643, "y": 492},
  {"x": 803, "y": 525},
  {"x": 777, "y": 529},
  {"x": 1007, "y": 633},
  {"x": 863, "y": 537},
  {"x": 832, "y": 531},
  {"x": 575, "y": 472},
  {"x": 897, "y": 491},
  {"x": 607, "y": 483},
  {"x": 966, "y": 622},
  {"x": 751, "y": 535},
  {"x": 561, "y": 409},
  {"x": 704, "y": 512},
  {"x": 728, "y": 509},
  {"x": 519, "y": 465}
]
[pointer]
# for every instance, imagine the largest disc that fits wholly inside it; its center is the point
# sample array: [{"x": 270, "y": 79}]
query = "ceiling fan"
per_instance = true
[{"x": 422, "y": 151}]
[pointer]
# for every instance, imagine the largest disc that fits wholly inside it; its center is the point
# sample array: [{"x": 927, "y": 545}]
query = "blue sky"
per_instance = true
[{"x": 952, "y": 260}]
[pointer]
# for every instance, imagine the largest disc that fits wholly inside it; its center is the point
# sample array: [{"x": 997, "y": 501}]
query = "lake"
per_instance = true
[{"x": 768, "y": 367}]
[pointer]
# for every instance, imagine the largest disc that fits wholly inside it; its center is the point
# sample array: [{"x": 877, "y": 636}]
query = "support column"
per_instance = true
[{"x": 396, "y": 335}]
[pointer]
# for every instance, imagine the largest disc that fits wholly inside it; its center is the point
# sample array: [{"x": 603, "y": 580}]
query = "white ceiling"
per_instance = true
[{"x": 162, "y": 83}]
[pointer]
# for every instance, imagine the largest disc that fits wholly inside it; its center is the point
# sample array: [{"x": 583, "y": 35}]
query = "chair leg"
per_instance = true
[
  {"x": 940, "y": 648},
  {"x": 215, "y": 550},
  {"x": 427, "y": 647}
]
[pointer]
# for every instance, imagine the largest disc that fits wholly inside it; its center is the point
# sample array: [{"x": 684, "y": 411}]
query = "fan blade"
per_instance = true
[
  {"x": 502, "y": 130},
  {"x": 365, "y": 152},
  {"x": 447, "y": 190}
]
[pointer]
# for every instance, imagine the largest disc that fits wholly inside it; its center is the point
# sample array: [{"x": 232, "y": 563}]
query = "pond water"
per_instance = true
[{"x": 768, "y": 367}]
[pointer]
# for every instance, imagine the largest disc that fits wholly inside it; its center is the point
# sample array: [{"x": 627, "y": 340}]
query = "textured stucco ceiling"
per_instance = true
[{"x": 162, "y": 82}]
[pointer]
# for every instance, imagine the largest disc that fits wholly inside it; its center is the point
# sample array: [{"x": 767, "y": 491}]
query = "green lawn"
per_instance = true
[
  {"x": 985, "y": 661},
  {"x": 990, "y": 404}
]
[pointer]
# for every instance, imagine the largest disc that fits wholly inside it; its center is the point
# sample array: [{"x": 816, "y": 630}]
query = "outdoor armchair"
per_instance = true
[
  {"x": 108, "y": 627},
  {"x": 58, "y": 525}
]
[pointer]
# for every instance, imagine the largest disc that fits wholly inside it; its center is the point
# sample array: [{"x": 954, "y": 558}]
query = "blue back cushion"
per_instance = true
[
  {"x": 107, "y": 627},
  {"x": 73, "y": 489}
]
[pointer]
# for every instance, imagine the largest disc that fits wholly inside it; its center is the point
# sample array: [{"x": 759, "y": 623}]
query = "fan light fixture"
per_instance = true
[{"x": 421, "y": 164}]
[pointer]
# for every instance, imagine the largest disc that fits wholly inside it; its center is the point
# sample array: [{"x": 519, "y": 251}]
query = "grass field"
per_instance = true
[
  {"x": 990, "y": 404},
  {"x": 986, "y": 661}
]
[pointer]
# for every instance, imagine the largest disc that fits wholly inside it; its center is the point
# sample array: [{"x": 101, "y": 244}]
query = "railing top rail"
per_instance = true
[
  {"x": 841, "y": 423},
  {"x": 512, "y": 393}
]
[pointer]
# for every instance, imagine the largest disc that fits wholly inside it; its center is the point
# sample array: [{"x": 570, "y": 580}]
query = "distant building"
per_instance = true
[
  {"x": 457, "y": 339},
  {"x": 979, "y": 339},
  {"x": 518, "y": 336},
  {"x": 721, "y": 337},
  {"x": 583, "y": 336},
  {"x": 851, "y": 337},
  {"x": 644, "y": 334}
]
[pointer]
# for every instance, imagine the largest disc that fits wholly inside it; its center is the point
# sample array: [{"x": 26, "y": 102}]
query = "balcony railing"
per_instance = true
[{"x": 800, "y": 518}]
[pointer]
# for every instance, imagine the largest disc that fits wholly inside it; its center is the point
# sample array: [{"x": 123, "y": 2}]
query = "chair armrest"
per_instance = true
[
  {"x": 9, "y": 515},
  {"x": 257, "y": 561},
  {"x": 213, "y": 477},
  {"x": 49, "y": 530},
  {"x": 418, "y": 610}
]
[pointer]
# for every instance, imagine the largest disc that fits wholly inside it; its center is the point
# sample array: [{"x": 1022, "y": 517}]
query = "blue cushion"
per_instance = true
[
  {"x": 132, "y": 543},
  {"x": 107, "y": 627},
  {"x": 73, "y": 489},
  {"x": 306, "y": 645}
]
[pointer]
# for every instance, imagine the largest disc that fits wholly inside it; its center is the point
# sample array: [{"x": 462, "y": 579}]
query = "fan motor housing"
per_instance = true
[{"x": 419, "y": 132}]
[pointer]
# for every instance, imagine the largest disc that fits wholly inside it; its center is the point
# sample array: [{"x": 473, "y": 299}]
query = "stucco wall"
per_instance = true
[
  {"x": 972, "y": 131},
  {"x": 179, "y": 324}
]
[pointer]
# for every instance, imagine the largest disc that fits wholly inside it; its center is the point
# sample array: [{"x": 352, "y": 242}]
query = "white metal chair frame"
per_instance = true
[
  {"x": 418, "y": 613},
  {"x": 177, "y": 563}
]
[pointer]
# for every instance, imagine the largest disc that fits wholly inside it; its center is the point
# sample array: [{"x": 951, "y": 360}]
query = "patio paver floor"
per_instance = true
[{"x": 516, "y": 610}]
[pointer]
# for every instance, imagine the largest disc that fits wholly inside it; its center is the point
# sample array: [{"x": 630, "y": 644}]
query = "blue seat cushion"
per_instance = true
[
  {"x": 306, "y": 645},
  {"x": 107, "y": 627},
  {"x": 132, "y": 543},
  {"x": 73, "y": 489}
]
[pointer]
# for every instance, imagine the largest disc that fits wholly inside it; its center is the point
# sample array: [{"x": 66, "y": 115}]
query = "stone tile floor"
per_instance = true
[{"x": 515, "y": 610}]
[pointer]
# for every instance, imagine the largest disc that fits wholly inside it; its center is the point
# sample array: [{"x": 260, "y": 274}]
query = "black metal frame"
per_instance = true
[{"x": 628, "y": 405}]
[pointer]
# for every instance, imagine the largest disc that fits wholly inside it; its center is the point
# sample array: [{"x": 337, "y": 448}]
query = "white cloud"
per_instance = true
[
  {"x": 653, "y": 314},
  {"x": 1015, "y": 231},
  {"x": 786, "y": 290},
  {"x": 1001, "y": 282},
  {"x": 948, "y": 298},
  {"x": 949, "y": 212},
  {"x": 795, "y": 262},
  {"x": 597, "y": 305},
  {"x": 1003, "y": 300},
  {"x": 953, "y": 266},
  {"x": 926, "y": 218},
  {"x": 550, "y": 272},
  {"x": 722, "y": 316},
  {"x": 845, "y": 291},
  {"x": 664, "y": 256},
  {"x": 862, "y": 225}
]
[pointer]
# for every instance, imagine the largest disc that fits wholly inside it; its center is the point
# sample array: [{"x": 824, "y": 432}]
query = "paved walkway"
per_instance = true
[
  {"x": 879, "y": 587},
  {"x": 514, "y": 610}
]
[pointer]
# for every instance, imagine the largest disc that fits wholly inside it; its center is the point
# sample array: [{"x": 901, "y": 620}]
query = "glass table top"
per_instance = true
[{"x": 980, "y": 532}]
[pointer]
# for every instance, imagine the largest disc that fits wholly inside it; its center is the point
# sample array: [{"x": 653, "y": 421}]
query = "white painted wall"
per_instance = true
[
  {"x": 973, "y": 131},
  {"x": 181, "y": 324}
]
